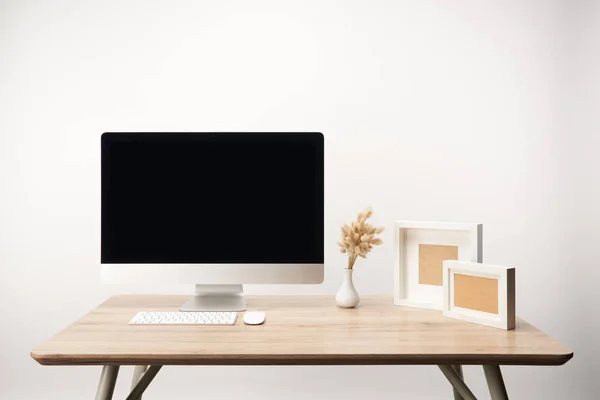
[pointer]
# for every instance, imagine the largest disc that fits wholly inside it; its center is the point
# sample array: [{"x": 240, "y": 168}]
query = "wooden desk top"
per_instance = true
[{"x": 299, "y": 330}]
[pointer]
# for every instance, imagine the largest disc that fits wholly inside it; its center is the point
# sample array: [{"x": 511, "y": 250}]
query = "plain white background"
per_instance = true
[{"x": 474, "y": 111}]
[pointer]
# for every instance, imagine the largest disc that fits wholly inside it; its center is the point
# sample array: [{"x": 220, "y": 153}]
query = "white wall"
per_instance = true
[
  {"x": 432, "y": 110},
  {"x": 580, "y": 194}
]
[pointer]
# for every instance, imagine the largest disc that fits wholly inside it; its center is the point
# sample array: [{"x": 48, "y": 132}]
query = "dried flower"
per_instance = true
[{"x": 359, "y": 237}]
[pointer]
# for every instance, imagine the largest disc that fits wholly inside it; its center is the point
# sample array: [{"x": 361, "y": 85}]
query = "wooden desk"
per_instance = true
[{"x": 299, "y": 330}]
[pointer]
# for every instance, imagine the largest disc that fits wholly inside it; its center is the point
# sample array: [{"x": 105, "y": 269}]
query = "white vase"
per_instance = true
[{"x": 347, "y": 296}]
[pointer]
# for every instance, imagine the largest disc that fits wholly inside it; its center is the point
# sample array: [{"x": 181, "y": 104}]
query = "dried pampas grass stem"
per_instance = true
[{"x": 359, "y": 238}]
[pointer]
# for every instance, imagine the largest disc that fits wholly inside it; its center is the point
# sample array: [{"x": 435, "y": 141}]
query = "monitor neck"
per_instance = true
[{"x": 216, "y": 298}]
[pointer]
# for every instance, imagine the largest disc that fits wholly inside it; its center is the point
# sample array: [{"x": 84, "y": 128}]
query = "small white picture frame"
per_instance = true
[
  {"x": 413, "y": 285},
  {"x": 480, "y": 293}
]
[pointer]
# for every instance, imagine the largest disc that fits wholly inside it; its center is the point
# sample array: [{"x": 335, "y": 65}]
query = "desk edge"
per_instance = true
[{"x": 303, "y": 359}]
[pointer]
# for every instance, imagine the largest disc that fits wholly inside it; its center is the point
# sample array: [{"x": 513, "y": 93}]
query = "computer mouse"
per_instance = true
[{"x": 254, "y": 317}]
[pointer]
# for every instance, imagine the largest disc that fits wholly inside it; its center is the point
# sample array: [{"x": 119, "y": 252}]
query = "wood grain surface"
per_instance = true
[{"x": 299, "y": 330}]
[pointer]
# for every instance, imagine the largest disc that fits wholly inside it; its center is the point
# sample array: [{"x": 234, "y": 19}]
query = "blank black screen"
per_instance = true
[{"x": 212, "y": 198}]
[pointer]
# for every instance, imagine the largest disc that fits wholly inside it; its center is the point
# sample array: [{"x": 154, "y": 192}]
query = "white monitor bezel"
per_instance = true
[{"x": 213, "y": 273}]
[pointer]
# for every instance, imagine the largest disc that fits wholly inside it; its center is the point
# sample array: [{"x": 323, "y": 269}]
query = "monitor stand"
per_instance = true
[{"x": 216, "y": 298}]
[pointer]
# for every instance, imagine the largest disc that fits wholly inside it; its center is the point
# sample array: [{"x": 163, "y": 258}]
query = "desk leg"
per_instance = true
[
  {"x": 106, "y": 386},
  {"x": 138, "y": 372},
  {"x": 459, "y": 372},
  {"x": 457, "y": 382},
  {"x": 142, "y": 385},
  {"x": 493, "y": 376}
]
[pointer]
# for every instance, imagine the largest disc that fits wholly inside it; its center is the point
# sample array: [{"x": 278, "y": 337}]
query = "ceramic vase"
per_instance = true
[{"x": 347, "y": 296}]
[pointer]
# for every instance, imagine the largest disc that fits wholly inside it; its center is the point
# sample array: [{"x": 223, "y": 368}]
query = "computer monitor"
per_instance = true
[{"x": 213, "y": 209}]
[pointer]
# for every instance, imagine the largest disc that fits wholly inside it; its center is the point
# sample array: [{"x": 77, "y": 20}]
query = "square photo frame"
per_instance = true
[
  {"x": 420, "y": 250},
  {"x": 480, "y": 293}
]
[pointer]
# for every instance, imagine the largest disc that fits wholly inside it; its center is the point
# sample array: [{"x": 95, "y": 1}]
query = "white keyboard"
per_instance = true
[{"x": 183, "y": 318}]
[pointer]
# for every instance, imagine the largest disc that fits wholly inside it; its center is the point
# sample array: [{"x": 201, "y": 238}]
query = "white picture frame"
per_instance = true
[
  {"x": 505, "y": 317},
  {"x": 408, "y": 235}
]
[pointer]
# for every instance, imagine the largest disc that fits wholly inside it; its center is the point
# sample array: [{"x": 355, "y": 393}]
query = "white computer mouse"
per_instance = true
[{"x": 254, "y": 317}]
